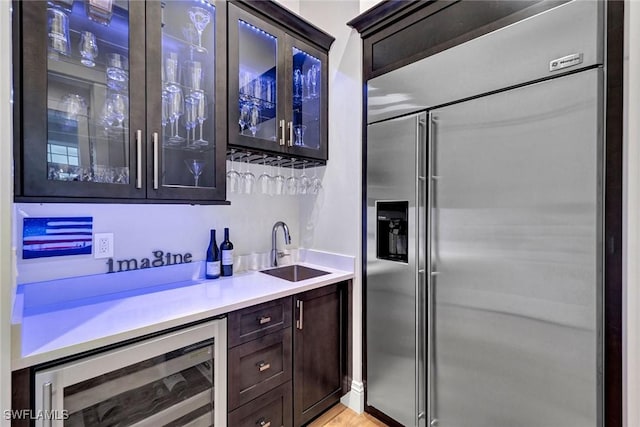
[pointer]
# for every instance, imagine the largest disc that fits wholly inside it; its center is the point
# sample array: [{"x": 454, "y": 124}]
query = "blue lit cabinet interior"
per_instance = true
[
  {"x": 117, "y": 101},
  {"x": 277, "y": 87}
]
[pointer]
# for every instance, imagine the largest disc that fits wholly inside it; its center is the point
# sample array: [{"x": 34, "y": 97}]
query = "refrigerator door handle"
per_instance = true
[
  {"x": 430, "y": 277},
  {"x": 420, "y": 257}
]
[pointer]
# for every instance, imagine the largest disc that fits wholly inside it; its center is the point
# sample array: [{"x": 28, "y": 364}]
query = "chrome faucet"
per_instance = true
[{"x": 274, "y": 249}]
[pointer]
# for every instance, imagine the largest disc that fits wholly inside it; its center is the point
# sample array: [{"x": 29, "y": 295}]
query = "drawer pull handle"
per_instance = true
[
  {"x": 265, "y": 319},
  {"x": 262, "y": 423},
  {"x": 262, "y": 366}
]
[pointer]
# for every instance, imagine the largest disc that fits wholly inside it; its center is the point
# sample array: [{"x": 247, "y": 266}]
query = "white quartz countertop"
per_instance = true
[{"x": 54, "y": 331}]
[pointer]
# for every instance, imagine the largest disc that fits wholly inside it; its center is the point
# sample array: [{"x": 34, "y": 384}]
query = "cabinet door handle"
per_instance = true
[
  {"x": 47, "y": 401},
  {"x": 300, "y": 305},
  {"x": 139, "y": 158},
  {"x": 282, "y": 133},
  {"x": 290, "y": 127},
  {"x": 263, "y": 423},
  {"x": 263, "y": 366},
  {"x": 155, "y": 160},
  {"x": 265, "y": 319}
]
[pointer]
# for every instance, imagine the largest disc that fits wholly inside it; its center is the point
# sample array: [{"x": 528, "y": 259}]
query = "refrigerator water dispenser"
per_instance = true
[{"x": 391, "y": 236}]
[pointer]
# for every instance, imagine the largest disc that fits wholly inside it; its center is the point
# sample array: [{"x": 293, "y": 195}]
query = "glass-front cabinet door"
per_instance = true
[
  {"x": 80, "y": 97},
  {"x": 185, "y": 75},
  {"x": 256, "y": 58},
  {"x": 277, "y": 89},
  {"x": 307, "y": 114}
]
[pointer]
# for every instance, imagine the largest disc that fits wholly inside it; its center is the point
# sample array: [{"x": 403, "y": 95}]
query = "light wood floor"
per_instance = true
[{"x": 341, "y": 416}]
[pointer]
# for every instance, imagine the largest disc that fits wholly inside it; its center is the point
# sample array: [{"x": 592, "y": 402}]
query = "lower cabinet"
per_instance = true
[
  {"x": 317, "y": 352},
  {"x": 293, "y": 371}
]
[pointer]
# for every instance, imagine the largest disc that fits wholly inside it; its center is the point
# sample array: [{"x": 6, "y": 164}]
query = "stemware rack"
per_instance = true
[{"x": 240, "y": 155}]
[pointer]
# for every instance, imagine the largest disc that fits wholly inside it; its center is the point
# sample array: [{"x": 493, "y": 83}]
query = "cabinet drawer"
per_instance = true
[
  {"x": 258, "y": 366},
  {"x": 272, "y": 409},
  {"x": 259, "y": 320}
]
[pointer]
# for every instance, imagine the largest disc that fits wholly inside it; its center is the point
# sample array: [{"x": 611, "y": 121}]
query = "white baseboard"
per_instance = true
[{"x": 354, "y": 400}]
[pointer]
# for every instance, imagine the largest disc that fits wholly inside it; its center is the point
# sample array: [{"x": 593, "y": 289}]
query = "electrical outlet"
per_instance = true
[{"x": 103, "y": 245}]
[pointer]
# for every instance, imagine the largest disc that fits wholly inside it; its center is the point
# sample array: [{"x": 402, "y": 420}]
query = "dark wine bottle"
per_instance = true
[
  {"x": 213, "y": 258},
  {"x": 226, "y": 247}
]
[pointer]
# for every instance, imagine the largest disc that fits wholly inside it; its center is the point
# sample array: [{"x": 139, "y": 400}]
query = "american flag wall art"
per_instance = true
[{"x": 47, "y": 237}]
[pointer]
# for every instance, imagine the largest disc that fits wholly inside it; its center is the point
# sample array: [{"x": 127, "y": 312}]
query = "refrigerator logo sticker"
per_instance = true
[{"x": 565, "y": 62}]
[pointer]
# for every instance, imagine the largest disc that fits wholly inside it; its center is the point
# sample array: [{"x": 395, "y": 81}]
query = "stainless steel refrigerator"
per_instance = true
[{"x": 484, "y": 250}]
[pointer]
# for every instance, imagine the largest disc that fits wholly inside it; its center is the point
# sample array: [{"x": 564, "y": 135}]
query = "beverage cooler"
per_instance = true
[{"x": 177, "y": 379}]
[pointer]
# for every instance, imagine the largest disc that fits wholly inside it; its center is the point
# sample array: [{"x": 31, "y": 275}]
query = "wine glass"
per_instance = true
[
  {"x": 248, "y": 178},
  {"x": 176, "y": 109},
  {"x": 308, "y": 82},
  {"x": 88, "y": 48},
  {"x": 233, "y": 177},
  {"x": 304, "y": 181},
  {"x": 73, "y": 106},
  {"x": 314, "y": 81},
  {"x": 298, "y": 131},
  {"x": 165, "y": 113},
  {"x": 278, "y": 180},
  {"x": 243, "y": 120},
  {"x": 193, "y": 76},
  {"x": 119, "y": 106},
  {"x": 201, "y": 114},
  {"x": 254, "y": 120},
  {"x": 190, "y": 120},
  {"x": 292, "y": 181},
  {"x": 200, "y": 19},
  {"x": 195, "y": 166},
  {"x": 264, "y": 180},
  {"x": 297, "y": 83},
  {"x": 171, "y": 72},
  {"x": 107, "y": 115},
  {"x": 316, "y": 182}
]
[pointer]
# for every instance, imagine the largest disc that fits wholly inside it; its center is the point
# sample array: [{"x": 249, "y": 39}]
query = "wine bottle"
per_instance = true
[
  {"x": 227, "y": 255},
  {"x": 213, "y": 258},
  {"x": 176, "y": 383}
]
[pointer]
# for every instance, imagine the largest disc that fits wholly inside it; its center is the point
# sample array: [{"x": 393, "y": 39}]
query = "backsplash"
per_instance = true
[{"x": 140, "y": 229}]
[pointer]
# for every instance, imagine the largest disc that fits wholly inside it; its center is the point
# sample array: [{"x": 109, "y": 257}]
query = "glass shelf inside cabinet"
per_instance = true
[
  {"x": 257, "y": 88},
  {"x": 88, "y": 91},
  {"x": 173, "y": 389},
  {"x": 307, "y": 93},
  {"x": 188, "y": 94}
]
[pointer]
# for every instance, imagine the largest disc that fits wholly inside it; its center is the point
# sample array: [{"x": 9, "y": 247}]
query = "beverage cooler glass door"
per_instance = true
[
  {"x": 177, "y": 379},
  {"x": 186, "y": 145},
  {"x": 88, "y": 138}
]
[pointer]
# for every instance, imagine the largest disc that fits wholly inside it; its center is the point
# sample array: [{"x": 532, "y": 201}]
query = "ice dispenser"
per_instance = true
[{"x": 391, "y": 236}]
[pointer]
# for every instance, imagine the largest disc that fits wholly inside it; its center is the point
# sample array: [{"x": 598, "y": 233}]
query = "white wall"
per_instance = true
[
  {"x": 292, "y": 5},
  {"x": 6, "y": 196},
  {"x": 631, "y": 288},
  {"x": 367, "y": 4},
  {"x": 334, "y": 222},
  {"x": 140, "y": 229}
]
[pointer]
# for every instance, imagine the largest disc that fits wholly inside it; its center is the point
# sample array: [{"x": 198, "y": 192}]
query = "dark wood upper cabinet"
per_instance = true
[
  {"x": 318, "y": 352},
  {"x": 119, "y": 104},
  {"x": 278, "y": 87}
]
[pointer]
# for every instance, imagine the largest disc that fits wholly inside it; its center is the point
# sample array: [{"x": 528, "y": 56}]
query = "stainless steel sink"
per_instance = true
[{"x": 294, "y": 273}]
